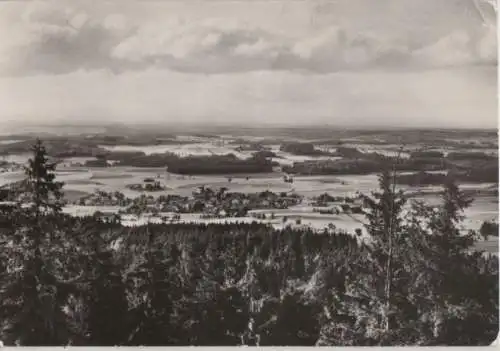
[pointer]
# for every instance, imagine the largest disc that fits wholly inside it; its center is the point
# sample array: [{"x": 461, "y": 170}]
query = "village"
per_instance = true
[
  {"x": 207, "y": 203},
  {"x": 210, "y": 203}
]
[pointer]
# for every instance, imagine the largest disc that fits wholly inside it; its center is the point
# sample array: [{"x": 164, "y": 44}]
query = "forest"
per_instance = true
[
  {"x": 474, "y": 167},
  {"x": 417, "y": 279},
  {"x": 188, "y": 165}
]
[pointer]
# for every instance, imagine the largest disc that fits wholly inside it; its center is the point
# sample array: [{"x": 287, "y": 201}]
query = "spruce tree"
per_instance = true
[
  {"x": 366, "y": 314},
  {"x": 45, "y": 192},
  {"x": 453, "y": 312},
  {"x": 34, "y": 290},
  {"x": 384, "y": 214}
]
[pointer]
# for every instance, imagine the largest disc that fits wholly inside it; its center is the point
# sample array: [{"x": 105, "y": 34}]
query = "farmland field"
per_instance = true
[{"x": 80, "y": 180}]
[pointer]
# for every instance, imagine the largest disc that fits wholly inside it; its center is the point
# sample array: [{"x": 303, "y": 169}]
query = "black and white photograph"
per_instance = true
[{"x": 249, "y": 173}]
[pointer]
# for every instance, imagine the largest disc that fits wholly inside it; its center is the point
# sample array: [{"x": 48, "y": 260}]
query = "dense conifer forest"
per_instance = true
[{"x": 84, "y": 281}]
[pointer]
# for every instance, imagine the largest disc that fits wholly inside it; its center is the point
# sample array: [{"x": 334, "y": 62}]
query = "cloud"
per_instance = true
[
  {"x": 460, "y": 48},
  {"x": 62, "y": 39},
  {"x": 205, "y": 47},
  {"x": 58, "y": 40}
]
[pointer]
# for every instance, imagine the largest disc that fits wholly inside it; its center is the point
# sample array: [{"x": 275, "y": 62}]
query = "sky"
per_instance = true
[{"x": 351, "y": 63}]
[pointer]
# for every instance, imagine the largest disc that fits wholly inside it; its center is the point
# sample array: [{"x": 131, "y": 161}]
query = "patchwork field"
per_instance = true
[{"x": 80, "y": 180}]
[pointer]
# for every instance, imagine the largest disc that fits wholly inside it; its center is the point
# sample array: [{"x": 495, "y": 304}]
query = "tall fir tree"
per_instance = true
[
  {"x": 34, "y": 290},
  {"x": 443, "y": 256},
  {"x": 366, "y": 314}
]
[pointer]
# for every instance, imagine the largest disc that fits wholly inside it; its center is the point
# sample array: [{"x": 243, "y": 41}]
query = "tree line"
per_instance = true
[
  {"x": 81, "y": 281},
  {"x": 188, "y": 165}
]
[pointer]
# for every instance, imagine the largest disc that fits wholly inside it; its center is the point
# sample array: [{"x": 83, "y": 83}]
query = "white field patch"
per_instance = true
[
  {"x": 183, "y": 150},
  {"x": 81, "y": 180}
]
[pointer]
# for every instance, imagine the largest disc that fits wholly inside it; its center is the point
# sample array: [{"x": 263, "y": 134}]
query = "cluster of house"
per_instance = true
[
  {"x": 221, "y": 204},
  {"x": 205, "y": 201},
  {"x": 326, "y": 204},
  {"x": 103, "y": 198},
  {"x": 6, "y": 167},
  {"x": 288, "y": 178},
  {"x": 149, "y": 184},
  {"x": 145, "y": 204},
  {"x": 15, "y": 192}
]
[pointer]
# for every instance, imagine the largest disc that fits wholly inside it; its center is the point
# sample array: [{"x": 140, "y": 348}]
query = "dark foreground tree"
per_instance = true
[
  {"x": 454, "y": 289},
  {"x": 441, "y": 291},
  {"x": 34, "y": 290},
  {"x": 367, "y": 313}
]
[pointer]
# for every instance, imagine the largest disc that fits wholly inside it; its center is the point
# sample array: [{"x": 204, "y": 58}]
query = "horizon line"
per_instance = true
[{"x": 232, "y": 124}]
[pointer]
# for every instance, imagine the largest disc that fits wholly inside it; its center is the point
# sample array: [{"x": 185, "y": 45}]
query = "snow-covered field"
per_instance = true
[
  {"x": 17, "y": 158},
  {"x": 80, "y": 180},
  {"x": 116, "y": 179},
  {"x": 197, "y": 149},
  {"x": 11, "y": 141},
  {"x": 207, "y": 149}
]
